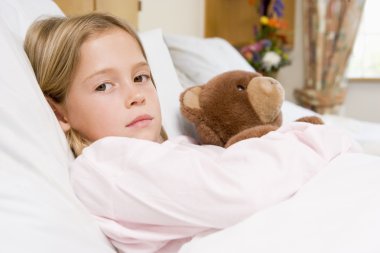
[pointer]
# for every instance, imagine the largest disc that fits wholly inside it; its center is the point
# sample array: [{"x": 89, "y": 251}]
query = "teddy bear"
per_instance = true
[{"x": 234, "y": 106}]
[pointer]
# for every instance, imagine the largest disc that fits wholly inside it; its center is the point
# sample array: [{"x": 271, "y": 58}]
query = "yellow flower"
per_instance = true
[{"x": 264, "y": 20}]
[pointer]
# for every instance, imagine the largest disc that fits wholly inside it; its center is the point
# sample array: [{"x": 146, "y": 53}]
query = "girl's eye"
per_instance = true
[
  {"x": 141, "y": 78},
  {"x": 104, "y": 87}
]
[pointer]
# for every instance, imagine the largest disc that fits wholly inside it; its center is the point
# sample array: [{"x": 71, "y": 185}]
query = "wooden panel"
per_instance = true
[
  {"x": 234, "y": 20},
  {"x": 126, "y": 9},
  {"x": 289, "y": 17},
  {"x": 75, "y": 7}
]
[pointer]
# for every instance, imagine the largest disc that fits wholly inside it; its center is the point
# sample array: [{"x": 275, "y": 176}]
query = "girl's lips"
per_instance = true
[{"x": 142, "y": 120}]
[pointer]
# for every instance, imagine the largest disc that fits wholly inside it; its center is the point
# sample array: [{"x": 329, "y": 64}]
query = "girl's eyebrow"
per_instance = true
[
  {"x": 107, "y": 70},
  {"x": 140, "y": 64},
  {"x": 99, "y": 72}
]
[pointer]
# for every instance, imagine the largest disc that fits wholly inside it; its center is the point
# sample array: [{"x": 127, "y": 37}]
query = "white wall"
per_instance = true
[
  {"x": 173, "y": 16},
  {"x": 363, "y": 101},
  {"x": 187, "y": 17}
]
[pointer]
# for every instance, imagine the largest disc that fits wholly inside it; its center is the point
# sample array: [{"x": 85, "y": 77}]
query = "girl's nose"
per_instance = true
[{"x": 135, "y": 98}]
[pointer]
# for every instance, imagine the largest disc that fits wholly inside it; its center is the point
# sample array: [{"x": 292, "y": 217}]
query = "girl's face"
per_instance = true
[{"x": 112, "y": 92}]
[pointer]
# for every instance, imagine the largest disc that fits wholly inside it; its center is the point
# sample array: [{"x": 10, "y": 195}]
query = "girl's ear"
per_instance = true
[{"x": 59, "y": 114}]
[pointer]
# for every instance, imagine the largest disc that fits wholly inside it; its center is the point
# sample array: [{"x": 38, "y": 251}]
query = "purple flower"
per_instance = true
[
  {"x": 278, "y": 8},
  {"x": 245, "y": 49},
  {"x": 256, "y": 47},
  {"x": 256, "y": 57},
  {"x": 266, "y": 43}
]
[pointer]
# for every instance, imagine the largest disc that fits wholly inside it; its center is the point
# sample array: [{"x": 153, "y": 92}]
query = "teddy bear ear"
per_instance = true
[{"x": 190, "y": 106}]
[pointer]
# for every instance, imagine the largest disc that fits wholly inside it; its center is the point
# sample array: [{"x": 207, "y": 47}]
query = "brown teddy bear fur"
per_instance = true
[{"x": 234, "y": 106}]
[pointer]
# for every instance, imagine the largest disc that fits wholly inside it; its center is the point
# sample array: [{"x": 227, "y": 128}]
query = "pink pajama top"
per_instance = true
[{"x": 150, "y": 197}]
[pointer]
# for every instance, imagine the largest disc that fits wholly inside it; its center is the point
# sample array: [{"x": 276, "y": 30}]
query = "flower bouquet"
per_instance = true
[{"x": 267, "y": 54}]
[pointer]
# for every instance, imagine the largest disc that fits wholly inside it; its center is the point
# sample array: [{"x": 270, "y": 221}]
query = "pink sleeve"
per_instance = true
[{"x": 141, "y": 190}]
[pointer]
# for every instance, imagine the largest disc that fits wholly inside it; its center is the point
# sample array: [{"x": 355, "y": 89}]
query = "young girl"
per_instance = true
[{"x": 149, "y": 194}]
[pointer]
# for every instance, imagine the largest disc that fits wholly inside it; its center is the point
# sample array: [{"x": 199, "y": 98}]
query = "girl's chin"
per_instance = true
[{"x": 146, "y": 135}]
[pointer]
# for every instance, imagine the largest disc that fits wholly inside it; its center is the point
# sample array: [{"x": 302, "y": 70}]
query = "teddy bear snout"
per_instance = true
[
  {"x": 266, "y": 96},
  {"x": 269, "y": 85}
]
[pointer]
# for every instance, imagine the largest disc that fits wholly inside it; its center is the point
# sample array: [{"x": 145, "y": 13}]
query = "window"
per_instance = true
[{"x": 365, "y": 57}]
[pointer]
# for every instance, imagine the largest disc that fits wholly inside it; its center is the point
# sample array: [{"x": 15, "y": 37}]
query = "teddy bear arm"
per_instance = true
[
  {"x": 253, "y": 132},
  {"x": 208, "y": 135},
  {"x": 311, "y": 119}
]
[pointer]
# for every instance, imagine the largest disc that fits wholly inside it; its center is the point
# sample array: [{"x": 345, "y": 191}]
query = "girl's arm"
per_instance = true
[{"x": 176, "y": 190}]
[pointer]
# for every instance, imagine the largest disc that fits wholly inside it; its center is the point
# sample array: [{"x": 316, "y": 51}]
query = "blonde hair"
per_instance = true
[{"x": 53, "y": 47}]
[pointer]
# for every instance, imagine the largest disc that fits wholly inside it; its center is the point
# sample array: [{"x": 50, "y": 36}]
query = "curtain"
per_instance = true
[{"x": 330, "y": 28}]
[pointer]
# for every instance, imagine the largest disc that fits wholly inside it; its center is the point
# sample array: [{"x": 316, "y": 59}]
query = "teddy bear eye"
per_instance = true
[{"x": 240, "y": 87}]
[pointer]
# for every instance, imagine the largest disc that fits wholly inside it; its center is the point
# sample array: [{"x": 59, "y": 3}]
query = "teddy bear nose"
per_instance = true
[{"x": 269, "y": 85}]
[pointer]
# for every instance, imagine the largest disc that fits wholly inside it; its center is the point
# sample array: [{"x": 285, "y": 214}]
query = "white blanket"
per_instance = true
[
  {"x": 337, "y": 211},
  {"x": 151, "y": 197}
]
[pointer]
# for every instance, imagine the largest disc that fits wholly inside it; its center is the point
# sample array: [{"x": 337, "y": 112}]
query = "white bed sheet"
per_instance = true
[
  {"x": 366, "y": 133},
  {"x": 337, "y": 211}
]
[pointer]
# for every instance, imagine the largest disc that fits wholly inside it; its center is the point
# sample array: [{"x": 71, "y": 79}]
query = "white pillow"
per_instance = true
[
  {"x": 38, "y": 209},
  {"x": 168, "y": 86},
  {"x": 19, "y": 14},
  {"x": 292, "y": 112},
  {"x": 198, "y": 59}
]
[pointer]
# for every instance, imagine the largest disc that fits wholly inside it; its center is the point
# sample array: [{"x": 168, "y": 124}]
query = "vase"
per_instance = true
[{"x": 321, "y": 101}]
